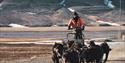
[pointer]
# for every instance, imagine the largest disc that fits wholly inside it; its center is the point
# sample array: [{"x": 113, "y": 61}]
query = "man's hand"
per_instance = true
[
  {"x": 83, "y": 27},
  {"x": 69, "y": 28}
]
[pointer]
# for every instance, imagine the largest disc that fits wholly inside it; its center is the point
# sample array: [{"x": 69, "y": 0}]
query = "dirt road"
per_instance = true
[{"x": 32, "y": 53}]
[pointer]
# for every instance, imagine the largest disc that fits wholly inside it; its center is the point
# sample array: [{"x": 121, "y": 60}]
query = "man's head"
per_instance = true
[{"x": 76, "y": 16}]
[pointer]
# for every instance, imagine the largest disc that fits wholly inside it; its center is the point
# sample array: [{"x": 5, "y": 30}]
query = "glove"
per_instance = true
[
  {"x": 69, "y": 28},
  {"x": 83, "y": 27}
]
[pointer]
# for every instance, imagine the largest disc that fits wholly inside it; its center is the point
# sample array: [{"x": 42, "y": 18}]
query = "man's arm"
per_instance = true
[
  {"x": 70, "y": 24},
  {"x": 82, "y": 23}
]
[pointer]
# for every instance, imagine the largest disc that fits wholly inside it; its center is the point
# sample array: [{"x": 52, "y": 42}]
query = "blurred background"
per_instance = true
[{"x": 37, "y": 13}]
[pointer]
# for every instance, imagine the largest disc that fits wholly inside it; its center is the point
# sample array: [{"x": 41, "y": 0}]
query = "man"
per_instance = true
[
  {"x": 78, "y": 24},
  {"x": 76, "y": 21}
]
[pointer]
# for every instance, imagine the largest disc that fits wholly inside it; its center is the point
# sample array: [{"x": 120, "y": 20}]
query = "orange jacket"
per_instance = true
[{"x": 74, "y": 24}]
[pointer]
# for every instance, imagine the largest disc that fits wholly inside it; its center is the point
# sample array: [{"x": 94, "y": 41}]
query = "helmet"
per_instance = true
[
  {"x": 75, "y": 13},
  {"x": 76, "y": 16}
]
